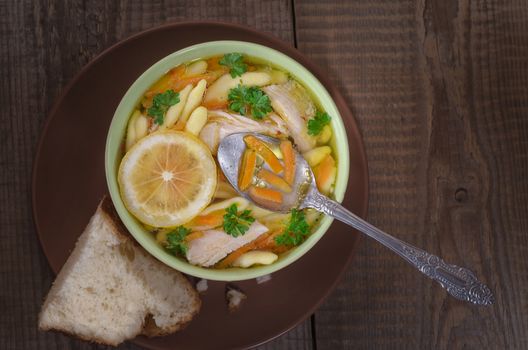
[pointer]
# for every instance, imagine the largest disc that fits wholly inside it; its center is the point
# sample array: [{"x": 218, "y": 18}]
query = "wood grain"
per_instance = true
[
  {"x": 440, "y": 91},
  {"x": 439, "y": 88},
  {"x": 43, "y": 44}
]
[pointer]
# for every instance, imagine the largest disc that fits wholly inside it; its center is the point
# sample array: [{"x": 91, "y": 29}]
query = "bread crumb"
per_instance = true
[
  {"x": 202, "y": 286},
  {"x": 234, "y": 298}
]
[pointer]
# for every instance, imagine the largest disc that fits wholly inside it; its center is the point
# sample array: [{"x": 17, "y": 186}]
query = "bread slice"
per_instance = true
[{"x": 111, "y": 290}]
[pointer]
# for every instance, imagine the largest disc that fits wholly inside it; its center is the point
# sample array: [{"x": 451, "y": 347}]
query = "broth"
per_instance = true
[{"x": 195, "y": 105}]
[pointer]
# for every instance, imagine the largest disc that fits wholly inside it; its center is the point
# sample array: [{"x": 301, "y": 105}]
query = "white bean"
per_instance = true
[
  {"x": 255, "y": 257},
  {"x": 197, "y": 120}
]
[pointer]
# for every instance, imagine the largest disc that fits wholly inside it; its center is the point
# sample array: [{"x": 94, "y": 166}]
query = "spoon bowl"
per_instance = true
[{"x": 230, "y": 152}]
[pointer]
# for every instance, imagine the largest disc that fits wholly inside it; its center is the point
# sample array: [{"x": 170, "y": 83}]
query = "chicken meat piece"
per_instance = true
[
  {"x": 221, "y": 124},
  {"x": 215, "y": 245},
  {"x": 291, "y": 101}
]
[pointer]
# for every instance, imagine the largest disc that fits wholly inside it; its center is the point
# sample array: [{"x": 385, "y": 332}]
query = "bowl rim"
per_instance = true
[{"x": 125, "y": 106}]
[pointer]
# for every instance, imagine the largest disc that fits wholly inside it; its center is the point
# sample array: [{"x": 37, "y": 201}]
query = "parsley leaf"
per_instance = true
[
  {"x": 176, "y": 240},
  {"x": 236, "y": 223},
  {"x": 296, "y": 231},
  {"x": 161, "y": 103},
  {"x": 316, "y": 124},
  {"x": 249, "y": 101},
  {"x": 235, "y": 63}
]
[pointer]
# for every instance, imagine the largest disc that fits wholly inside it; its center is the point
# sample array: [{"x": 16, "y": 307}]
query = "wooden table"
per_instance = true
[{"x": 440, "y": 90}]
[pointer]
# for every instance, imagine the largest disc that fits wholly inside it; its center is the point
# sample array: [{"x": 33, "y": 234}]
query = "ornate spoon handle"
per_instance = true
[{"x": 460, "y": 282}]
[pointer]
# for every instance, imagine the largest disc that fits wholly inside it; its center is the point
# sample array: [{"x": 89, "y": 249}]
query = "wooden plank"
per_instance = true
[
  {"x": 439, "y": 89},
  {"x": 43, "y": 45},
  {"x": 296, "y": 339}
]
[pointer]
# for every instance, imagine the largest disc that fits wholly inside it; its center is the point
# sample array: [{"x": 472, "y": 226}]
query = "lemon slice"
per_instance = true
[{"x": 167, "y": 178}]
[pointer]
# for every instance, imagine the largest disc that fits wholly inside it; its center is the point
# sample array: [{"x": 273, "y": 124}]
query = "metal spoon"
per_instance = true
[{"x": 458, "y": 281}]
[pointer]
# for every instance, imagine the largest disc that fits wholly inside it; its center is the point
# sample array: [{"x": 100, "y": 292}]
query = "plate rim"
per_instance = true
[{"x": 280, "y": 44}]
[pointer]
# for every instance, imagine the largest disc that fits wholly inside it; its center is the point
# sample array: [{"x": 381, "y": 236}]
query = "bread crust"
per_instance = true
[
  {"x": 108, "y": 210},
  {"x": 149, "y": 329}
]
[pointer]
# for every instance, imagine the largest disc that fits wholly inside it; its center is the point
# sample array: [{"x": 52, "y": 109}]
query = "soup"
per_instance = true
[{"x": 169, "y": 179}]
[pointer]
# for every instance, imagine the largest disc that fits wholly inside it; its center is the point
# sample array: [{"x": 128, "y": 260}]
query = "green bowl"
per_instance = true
[{"x": 116, "y": 134}]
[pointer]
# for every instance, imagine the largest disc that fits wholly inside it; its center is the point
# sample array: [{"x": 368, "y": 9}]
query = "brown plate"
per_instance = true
[{"x": 69, "y": 181}]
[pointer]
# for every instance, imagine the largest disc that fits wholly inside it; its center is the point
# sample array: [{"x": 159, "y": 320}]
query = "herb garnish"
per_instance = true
[
  {"x": 235, "y": 63},
  {"x": 161, "y": 103},
  {"x": 236, "y": 223},
  {"x": 249, "y": 100},
  {"x": 176, "y": 240},
  {"x": 296, "y": 231},
  {"x": 316, "y": 124}
]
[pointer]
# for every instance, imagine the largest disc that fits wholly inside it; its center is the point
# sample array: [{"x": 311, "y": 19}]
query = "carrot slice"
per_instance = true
[
  {"x": 270, "y": 244},
  {"x": 231, "y": 257},
  {"x": 194, "y": 235},
  {"x": 274, "y": 180},
  {"x": 325, "y": 174},
  {"x": 175, "y": 80},
  {"x": 166, "y": 82},
  {"x": 265, "y": 152},
  {"x": 208, "y": 221},
  {"x": 214, "y": 104},
  {"x": 288, "y": 154},
  {"x": 181, "y": 83},
  {"x": 260, "y": 194},
  {"x": 279, "y": 249},
  {"x": 178, "y": 72},
  {"x": 247, "y": 168},
  {"x": 213, "y": 64}
]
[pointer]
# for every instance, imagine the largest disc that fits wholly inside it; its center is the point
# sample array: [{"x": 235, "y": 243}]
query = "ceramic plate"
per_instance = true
[{"x": 69, "y": 181}]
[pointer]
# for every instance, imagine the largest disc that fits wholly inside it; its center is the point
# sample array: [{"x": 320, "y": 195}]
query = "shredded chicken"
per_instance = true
[
  {"x": 221, "y": 124},
  {"x": 214, "y": 245},
  {"x": 293, "y": 104}
]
